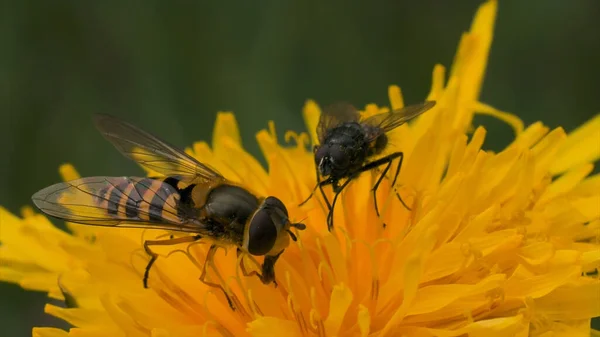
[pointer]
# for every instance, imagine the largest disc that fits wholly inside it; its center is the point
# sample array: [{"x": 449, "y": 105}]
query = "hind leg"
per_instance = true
[{"x": 387, "y": 161}]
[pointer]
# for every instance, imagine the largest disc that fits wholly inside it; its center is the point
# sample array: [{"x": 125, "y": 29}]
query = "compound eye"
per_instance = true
[
  {"x": 320, "y": 152},
  {"x": 262, "y": 233},
  {"x": 276, "y": 203}
]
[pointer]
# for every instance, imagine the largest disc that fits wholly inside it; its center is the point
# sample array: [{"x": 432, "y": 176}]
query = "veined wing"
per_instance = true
[
  {"x": 152, "y": 152},
  {"x": 117, "y": 201},
  {"x": 384, "y": 122},
  {"x": 335, "y": 115}
]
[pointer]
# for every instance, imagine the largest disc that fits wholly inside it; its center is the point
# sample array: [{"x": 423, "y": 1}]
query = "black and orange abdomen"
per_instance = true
[{"x": 141, "y": 199}]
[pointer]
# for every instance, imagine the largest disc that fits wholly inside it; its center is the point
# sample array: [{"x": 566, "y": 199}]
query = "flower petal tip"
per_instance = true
[
  {"x": 312, "y": 113},
  {"x": 395, "y": 97},
  {"x": 68, "y": 172},
  {"x": 226, "y": 127}
]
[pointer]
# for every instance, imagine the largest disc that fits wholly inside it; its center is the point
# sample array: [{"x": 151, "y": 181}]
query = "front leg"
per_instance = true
[
  {"x": 245, "y": 271},
  {"x": 267, "y": 274},
  {"x": 338, "y": 190},
  {"x": 319, "y": 186},
  {"x": 336, "y": 186},
  {"x": 268, "y": 268}
]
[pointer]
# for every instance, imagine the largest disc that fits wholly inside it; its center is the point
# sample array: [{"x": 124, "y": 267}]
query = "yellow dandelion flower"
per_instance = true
[{"x": 496, "y": 244}]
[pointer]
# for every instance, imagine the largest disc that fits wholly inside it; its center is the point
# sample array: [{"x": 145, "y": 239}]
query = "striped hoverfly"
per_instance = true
[{"x": 191, "y": 199}]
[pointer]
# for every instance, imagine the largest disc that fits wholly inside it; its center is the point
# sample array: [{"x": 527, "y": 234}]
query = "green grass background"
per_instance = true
[{"x": 169, "y": 66}]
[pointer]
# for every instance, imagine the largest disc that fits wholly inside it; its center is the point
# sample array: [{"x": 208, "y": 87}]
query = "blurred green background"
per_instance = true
[{"x": 169, "y": 66}]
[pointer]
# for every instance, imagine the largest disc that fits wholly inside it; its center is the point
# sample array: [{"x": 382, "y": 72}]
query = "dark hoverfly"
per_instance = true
[
  {"x": 348, "y": 142},
  {"x": 192, "y": 200}
]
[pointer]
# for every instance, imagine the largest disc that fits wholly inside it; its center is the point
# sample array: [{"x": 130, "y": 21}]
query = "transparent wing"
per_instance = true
[
  {"x": 115, "y": 201},
  {"x": 151, "y": 152},
  {"x": 384, "y": 122},
  {"x": 335, "y": 115}
]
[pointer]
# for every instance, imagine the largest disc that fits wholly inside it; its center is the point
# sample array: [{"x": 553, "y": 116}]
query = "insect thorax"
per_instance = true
[
  {"x": 349, "y": 139},
  {"x": 227, "y": 211},
  {"x": 349, "y": 134}
]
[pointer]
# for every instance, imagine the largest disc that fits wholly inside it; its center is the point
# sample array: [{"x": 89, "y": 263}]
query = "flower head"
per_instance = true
[{"x": 495, "y": 244}]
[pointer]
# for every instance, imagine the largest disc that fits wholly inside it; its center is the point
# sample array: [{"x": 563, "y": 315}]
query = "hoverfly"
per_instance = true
[
  {"x": 348, "y": 142},
  {"x": 192, "y": 199}
]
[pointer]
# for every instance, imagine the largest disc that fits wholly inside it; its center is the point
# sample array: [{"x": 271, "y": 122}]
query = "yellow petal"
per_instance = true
[
  {"x": 226, "y": 127},
  {"x": 588, "y": 207},
  {"x": 312, "y": 113},
  {"x": 566, "y": 182},
  {"x": 495, "y": 327},
  {"x": 531, "y": 135},
  {"x": 537, "y": 252},
  {"x": 471, "y": 61},
  {"x": 563, "y": 258},
  {"x": 571, "y": 302},
  {"x": 541, "y": 285},
  {"x": 432, "y": 298},
  {"x": 68, "y": 172},
  {"x": 270, "y": 326},
  {"x": 582, "y": 146},
  {"x": 160, "y": 333},
  {"x": 341, "y": 297},
  {"x": 444, "y": 261},
  {"x": 80, "y": 317},
  {"x": 437, "y": 83},
  {"x": 515, "y": 122},
  {"x": 545, "y": 151},
  {"x": 11, "y": 225},
  {"x": 395, "y": 96},
  {"x": 590, "y": 260},
  {"x": 590, "y": 186},
  {"x": 49, "y": 332},
  {"x": 577, "y": 328},
  {"x": 412, "y": 273},
  {"x": 364, "y": 320}
]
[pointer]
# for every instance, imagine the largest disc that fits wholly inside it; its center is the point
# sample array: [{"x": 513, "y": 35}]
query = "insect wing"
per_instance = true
[
  {"x": 384, "y": 122},
  {"x": 115, "y": 201},
  {"x": 335, "y": 115},
  {"x": 151, "y": 152}
]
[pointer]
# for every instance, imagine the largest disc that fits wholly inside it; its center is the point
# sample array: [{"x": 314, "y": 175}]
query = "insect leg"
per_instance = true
[
  {"x": 245, "y": 272},
  {"x": 268, "y": 268},
  {"x": 319, "y": 185},
  {"x": 396, "y": 178},
  {"x": 323, "y": 183},
  {"x": 382, "y": 176},
  {"x": 382, "y": 161},
  {"x": 338, "y": 189},
  {"x": 268, "y": 272},
  {"x": 310, "y": 195},
  {"x": 209, "y": 260},
  {"x": 154, "y": 256}
]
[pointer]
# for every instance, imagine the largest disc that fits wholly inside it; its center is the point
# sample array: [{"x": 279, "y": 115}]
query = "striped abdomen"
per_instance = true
[{"x": 140, "y": 199}]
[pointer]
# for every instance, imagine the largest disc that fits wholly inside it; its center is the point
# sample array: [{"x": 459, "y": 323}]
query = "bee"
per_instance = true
[
  {"x": 192, "y": 200},
  {"x": 348, "y": 143}
]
